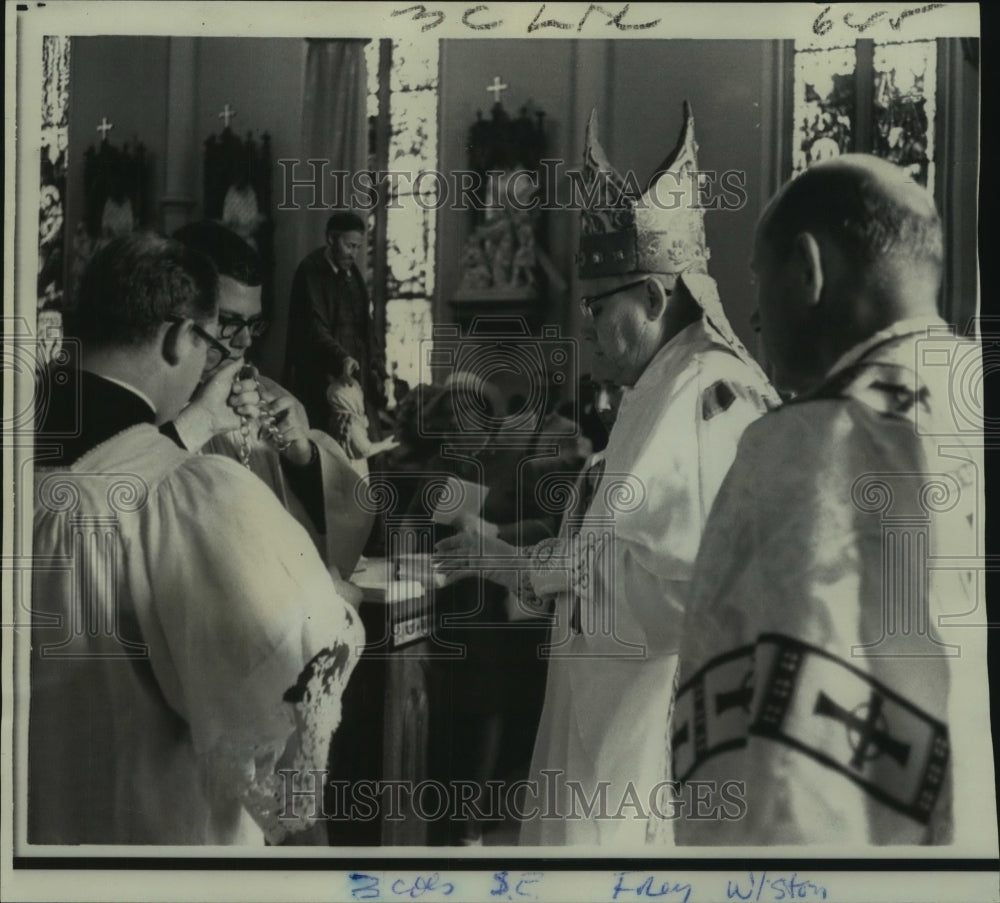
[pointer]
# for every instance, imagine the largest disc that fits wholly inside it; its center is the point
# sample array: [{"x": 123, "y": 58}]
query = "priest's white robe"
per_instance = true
[
  {"x": 348, "y": 524},
  {"x": 834, "y": 652},
  {"x": 184, "y": 630},
  {"x": 609, "y": 685}
]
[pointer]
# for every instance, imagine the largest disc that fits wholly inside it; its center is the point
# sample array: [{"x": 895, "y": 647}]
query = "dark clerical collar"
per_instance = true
[{"x": 80, "y": 411}]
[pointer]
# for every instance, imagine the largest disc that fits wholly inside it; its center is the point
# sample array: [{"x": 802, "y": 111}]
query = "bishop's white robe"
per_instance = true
[
  {"x": 834, "y": 653},
  {"x": 627, "y": 573},
  {"x": 184, "y": 630}
]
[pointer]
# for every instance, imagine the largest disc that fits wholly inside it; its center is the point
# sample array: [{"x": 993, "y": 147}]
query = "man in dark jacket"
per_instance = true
[{"x": 332, "y": 327}]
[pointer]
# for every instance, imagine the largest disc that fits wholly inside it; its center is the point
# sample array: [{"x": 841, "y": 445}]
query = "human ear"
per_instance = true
[
  {"x": 656, "y": 299},
  {"x": 808, "y": 257},
  {"x": 174, "y": 340}
]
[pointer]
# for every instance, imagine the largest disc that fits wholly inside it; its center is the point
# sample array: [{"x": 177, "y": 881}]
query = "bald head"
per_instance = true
[
  {"x": 869, "y": 208},
  {"x": 844, "y": 250}
]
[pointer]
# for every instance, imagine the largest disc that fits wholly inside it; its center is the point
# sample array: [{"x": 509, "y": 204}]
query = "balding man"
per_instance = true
[{"x": 828, "y": 672}]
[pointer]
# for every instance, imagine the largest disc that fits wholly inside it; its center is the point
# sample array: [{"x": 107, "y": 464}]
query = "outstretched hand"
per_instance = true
[
  {"x": 383, "y": 445},
  {"x": 468, "y": 554}
]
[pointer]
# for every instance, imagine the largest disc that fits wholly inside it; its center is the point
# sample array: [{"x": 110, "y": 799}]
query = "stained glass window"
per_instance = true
[
  {"x": 410, "y": 250},
  {"x": 409, "y": 212},
  {"x": 372, "y": 109},
  {"x": 892, "y": 86},
  {"x": 54, "y": 143},
  {"x": 414, "y": 131},
  {"x": 824, "y": 105},
  {"x": 52, "y": 206},
  {"x": 903, "y": 107},
  {"x": 371, "y": 67},
  {"x": 408, "y": 322}
]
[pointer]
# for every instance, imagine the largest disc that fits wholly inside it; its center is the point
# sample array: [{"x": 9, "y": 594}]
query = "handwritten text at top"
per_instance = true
[{"x": 480, "y": 18}]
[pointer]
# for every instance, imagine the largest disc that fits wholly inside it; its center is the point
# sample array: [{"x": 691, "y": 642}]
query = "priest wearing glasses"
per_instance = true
[
  {"x": 188, "y": 643},
  {"x": 265, "y": 427},
  {"x": 656, "y": 327}
]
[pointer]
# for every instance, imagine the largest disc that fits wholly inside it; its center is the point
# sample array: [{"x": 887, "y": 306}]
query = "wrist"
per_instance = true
[
  {"x": 301, "y": 453},
  {"x": 546, "y": 567},
  {"x": 193, "y": 426}
]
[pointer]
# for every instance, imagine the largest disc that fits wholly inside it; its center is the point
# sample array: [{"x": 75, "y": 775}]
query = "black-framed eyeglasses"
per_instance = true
[
  {"x": 588, "y": 300},
  {"x": 217, "y": 352},
  {"x": 231, "y": 324}
]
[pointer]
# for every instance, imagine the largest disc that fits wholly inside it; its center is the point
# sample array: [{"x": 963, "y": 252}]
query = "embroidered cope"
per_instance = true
[{"x": 831, "y": 659}]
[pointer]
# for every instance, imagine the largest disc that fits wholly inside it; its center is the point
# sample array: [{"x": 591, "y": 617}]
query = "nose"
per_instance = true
[{"x": 242, "y": 338}]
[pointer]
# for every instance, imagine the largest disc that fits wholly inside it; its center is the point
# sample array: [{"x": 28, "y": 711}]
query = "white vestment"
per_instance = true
[
  {"x": 834, "y": 652},
  {"x": 175, "y": 604},
  {"x": 609, "y": 683},
  {"x": 348, "y": 525}
]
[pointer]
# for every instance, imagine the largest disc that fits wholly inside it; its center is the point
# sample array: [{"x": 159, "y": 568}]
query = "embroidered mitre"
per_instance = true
[{"x": 661, "y": 231}]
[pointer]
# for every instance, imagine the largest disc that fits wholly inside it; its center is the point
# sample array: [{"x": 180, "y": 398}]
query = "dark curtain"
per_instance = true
[{"x": 334, "y": 129}]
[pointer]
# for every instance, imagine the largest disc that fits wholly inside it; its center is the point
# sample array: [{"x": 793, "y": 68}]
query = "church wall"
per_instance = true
[
  {"x": 637, "y": 87},
  {"x": 123, "y": 79},
  {"x": 262, "y": 79},
  {"x": 724, "y": 83},
  {"x": 537, "y": 71},
  {"x": 128, "y": 80}
]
